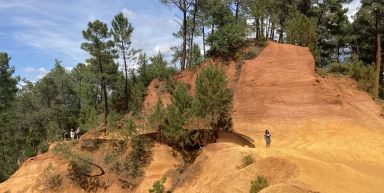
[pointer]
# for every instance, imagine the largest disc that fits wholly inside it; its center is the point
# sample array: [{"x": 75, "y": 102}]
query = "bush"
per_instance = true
[
  {"x": 362, "y": 73},
  {"x": 178, "y": 112},
  {"x": 52, "y": 179},
  {"x": 301, "y": 30},
  {"x": 258, "y": 184},
  {"x": 158, "y": 186},
  {"x": 130, "y": 129},
  {"x": 338, "y": 68},
  {"x": 213, "y": 100},
  {"x": 91, "y": 145},
  {"x": 156, "y": 119},
  {"x": 29, "y": 152},
  {"x": 138, "y": 92},
  {"x": 139, "y": 157},
  {"x": 226, "y": 40},
  {"x": 248, "y": 160},
  {"x": 253, "y": 52},
  {"x": 322, "y": 72},
  {"x": 78, "y": 170},
  {"x": 113, "y": 118},
  {"x": 42, "y": 147}
]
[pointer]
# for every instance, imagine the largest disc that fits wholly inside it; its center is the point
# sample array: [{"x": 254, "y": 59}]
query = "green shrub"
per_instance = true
[
  {"x": 248, "y": 160},
  {"x": 253, "y": 52},
  {"x": 138, "y": 92},
  {"x": 226, "y": 40},
  {"x": 177, "y": 114},
  {"x": 156, "y": 119},
  {"x": 113, "y": 119},
  {"x": 91, "y": 145},
  {"x": 29, "y": 152},
  {"x": 158, "y": 186},
  {"x": 322, "y": 72},
  {"x": 258, "y": 184},
  {"x": 78, "y": 169},
  {"x": 63, "y": 148},
  {"x": 301, "y": 30},
  {"x": 43, "y": 147},
  {"x": 213, "y": 100},
  {"x": 139, "y": 157},
  {"x": 52, "y": 179},
  {"x": 338, "y": 68},
  {"x": 362, "y": 73}
]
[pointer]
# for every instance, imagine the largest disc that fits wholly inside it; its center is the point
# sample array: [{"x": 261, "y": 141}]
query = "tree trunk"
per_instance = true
[
  {"x": 267, "y": 30},
  {"x": 192, "y": 33},
  {"x": 237, "y": 4},
  {"x": 184, "y": 56},
  {"x": 104, "y": 91},
  {"x": 257, "y": 28},
  {"x": 204, "y": 40},
  {"x": 126, "y": 77},
  {"x": 378, "y": 55}
]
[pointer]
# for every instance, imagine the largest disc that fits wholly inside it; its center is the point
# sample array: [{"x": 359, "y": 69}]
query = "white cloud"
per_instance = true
[
  {"x": 129, "y": 14},
  {"x": 68, "y": 68},
  {"x": 42, "y": 72},
  {"x": 53, "y": 29},
  {"x": 353, "y": 7},
  {"x": 34, "y": 74},
  {"x": 163, "y": 48}
]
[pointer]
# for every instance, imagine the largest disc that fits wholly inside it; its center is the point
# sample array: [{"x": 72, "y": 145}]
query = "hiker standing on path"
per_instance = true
[
  {"x": 267, "y": 137},
  {"x": 72, "y": 134},
  {"x": 77, "y": 133}
]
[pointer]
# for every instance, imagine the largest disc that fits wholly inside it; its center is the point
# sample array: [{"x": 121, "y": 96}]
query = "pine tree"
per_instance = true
[
  {"x": 99, "y": 45},
  {"x": 183, "y": 6},
  {"x": 213, "y": 100},
  {"x": 122, "y": 32},
  {"x": 177, "y": 114}
]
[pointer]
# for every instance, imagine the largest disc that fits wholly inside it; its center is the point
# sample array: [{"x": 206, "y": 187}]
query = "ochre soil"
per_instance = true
[{"x": 327, "y": 135}]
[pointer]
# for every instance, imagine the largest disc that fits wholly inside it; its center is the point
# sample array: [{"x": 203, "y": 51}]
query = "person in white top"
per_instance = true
[{"x": 72, "y": 134}]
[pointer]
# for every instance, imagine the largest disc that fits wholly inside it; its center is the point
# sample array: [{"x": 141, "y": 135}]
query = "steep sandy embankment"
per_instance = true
[
  {"x": 325, "y": 128},
  {"x": 327, "y": 136}
]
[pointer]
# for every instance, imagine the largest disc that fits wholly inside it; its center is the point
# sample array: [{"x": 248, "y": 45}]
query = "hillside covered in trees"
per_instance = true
[{"x": 107, "y": 92}]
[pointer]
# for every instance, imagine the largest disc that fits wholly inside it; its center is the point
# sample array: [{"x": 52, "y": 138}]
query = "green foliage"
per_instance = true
[
  {"x": 91, "y": 145},
  {"x": 29, "y": 152},
  {"x": 52, "y": 179},
  {"x": 338, "y": 68},
  {"x": 362, "y": 73},
  {"x": 159, "y": 68},
  {"x": 213, "y": 100},
  {"x": 42, "y": 147},
  {"x": 247, "y": 160},
  {"x": 130, "y": 129},
  {"x": 301, "y": 30},
  {"x": 113, "y": 119},
  {"x": 99, "y": 45},
  {"x": 158, "y": 186},
  {"x": 258, "y": 184},
  {"x": 79, "y": 169},
  {"x": 138, "y": 92},
  {"x": 178, "y": 112},
  {"x": 8, "y": 83},
  {"x": 157, "y": 118},
  {"x": 226, "y": 41},
  {"x": 139, "y": 157},
  {"x": 356, "y": 69}
]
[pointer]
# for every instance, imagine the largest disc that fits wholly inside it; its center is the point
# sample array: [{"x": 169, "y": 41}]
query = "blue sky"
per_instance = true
[{"x": 35, "y": 32}]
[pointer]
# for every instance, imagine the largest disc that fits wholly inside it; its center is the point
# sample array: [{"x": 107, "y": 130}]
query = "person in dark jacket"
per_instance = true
[{"x": 267, "y": 137}]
